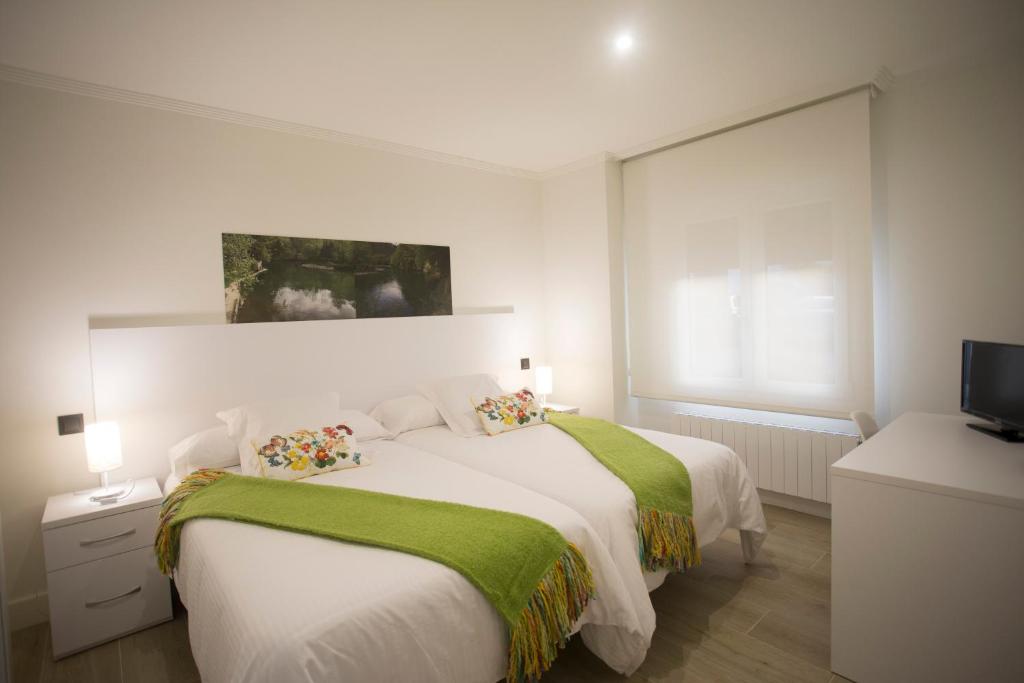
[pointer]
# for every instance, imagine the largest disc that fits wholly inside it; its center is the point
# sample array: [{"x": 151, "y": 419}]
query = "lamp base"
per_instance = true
[{"x": 107, "y": 494}]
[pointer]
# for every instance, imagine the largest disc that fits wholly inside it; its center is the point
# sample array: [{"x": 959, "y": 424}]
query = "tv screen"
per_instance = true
[{"x": 993, "y": 383}]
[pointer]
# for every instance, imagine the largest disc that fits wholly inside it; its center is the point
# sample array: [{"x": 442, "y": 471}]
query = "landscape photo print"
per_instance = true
[{"x": 271, "y": 279}]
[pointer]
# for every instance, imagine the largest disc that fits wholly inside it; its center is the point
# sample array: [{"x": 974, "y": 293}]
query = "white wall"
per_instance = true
[
  {"x": 109, "y": 209},
  {"x": 577, "y": 274},
  {"x": 949, "y": 187}
]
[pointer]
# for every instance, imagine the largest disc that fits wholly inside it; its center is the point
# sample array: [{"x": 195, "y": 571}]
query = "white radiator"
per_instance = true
[{"x": 783, "y": 459}]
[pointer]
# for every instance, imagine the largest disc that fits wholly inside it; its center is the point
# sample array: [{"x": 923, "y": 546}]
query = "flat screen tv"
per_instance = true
[{"x": 992, "y": 387}]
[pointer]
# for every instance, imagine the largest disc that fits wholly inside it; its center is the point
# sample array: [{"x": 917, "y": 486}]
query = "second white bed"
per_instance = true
[{"x": 547, "y": 460}]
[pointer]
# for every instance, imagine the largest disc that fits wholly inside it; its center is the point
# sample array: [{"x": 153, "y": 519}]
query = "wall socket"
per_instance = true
[
  {"x": 70, "y": 424},
  {"x": 524, "y": 363}
]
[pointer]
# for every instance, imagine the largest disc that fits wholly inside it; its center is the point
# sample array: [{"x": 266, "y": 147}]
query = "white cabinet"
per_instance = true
[
  {"x": 102, "y": 576},
  {"x": 927, "y": 555}
]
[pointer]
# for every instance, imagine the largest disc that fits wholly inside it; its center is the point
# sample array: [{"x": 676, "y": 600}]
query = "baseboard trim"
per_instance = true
[
  {"x": 28, "y": 610},
  {"x": 804, "y": 505}
]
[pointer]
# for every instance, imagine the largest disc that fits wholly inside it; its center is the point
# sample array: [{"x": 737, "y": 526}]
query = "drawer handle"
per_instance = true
[
  {"x": 97, "y": 603},
  {"x": 107, "y": 538}
]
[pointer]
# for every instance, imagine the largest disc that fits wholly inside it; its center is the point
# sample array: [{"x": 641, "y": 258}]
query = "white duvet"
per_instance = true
[
  {"x": 547, "y": 460},
  {"x": 270, "y": 605}
]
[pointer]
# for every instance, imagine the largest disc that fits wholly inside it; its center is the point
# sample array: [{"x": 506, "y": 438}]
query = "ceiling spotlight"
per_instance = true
[{"x": 623, "y": 43}]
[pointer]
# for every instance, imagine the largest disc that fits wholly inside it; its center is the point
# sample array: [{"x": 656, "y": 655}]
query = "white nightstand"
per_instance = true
[
  {"x": 101, "y": 570},
  {"x": 562, "y": 408}
]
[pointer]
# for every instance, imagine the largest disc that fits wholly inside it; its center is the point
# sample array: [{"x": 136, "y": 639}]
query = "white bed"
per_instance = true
[
  {"x": 547, "y": 460},
  {"x": 269, "y": 605}
]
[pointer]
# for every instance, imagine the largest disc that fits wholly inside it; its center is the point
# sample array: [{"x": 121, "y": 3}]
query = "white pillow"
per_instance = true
[
  {"x": 288, "y": 411},
  {"x": 453, "y": 398},
  {"x": 209, "y": 448},
  {"x": 406, "y": 413},
  {"x": 364, "y": 427}
]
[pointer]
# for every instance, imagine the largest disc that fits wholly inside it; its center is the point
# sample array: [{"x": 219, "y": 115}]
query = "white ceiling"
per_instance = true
[{"x": 531, "y": 84}]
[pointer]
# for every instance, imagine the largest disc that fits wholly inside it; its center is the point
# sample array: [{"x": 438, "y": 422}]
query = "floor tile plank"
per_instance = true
[
  {"x": 101, "y": 664},
  {"x": 704, "y": 606},
  {"x": 28, "y": 648},
  {"x": 159, "y": 655},
  {"x": 803, "y": 635}
]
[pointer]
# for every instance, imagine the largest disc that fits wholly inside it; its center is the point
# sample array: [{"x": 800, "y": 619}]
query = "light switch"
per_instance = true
[{"x": 70, "y": 424}]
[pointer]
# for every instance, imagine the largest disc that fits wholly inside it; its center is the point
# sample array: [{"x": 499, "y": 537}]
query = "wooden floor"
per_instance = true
[{"x": 725, "y": 621}]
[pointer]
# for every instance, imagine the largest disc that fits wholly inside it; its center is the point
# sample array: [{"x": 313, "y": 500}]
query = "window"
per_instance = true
[{"x": 748, "y": 265}]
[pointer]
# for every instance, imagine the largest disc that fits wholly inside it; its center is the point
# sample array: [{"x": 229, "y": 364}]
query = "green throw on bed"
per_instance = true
[
  {"x": 659, "y": 481},
  {"x": 537, "y": 580}
]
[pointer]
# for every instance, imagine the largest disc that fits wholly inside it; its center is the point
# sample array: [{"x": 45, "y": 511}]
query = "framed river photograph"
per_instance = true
[{"x": 270, "y": 279}]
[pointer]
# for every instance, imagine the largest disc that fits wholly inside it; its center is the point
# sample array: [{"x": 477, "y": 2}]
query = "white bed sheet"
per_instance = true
[
  {"x": 269, "y": 605},
  {"x": 547, "y": 460}
]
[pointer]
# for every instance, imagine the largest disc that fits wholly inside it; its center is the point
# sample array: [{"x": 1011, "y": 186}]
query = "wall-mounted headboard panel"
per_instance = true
[{"x": 164, "y": 383}]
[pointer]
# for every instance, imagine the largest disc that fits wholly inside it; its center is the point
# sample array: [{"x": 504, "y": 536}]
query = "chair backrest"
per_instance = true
[{"x": 865, "y": 423}]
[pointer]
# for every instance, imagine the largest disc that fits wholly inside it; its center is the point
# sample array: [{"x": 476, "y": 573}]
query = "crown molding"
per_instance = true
[
  {"x": 879, "y": 82},
  {"x": 578, "y": 165},
  {"x": 882, "y": 80},
  {"x": 38, "y": 79}
]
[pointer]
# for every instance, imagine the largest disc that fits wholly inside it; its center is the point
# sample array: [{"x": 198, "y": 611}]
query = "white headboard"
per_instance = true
[{"x": 164, "y": 383}]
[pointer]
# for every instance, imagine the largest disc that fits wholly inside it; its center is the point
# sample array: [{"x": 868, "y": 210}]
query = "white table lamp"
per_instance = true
[
  {"x": 544, "y": 382},
  {"x": 103, "y": 453}
]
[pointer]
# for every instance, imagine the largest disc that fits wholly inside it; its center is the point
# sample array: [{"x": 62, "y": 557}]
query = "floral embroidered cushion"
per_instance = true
[
  {"x": 512, "y": 411},
  {"x": 306, "y": 452}
]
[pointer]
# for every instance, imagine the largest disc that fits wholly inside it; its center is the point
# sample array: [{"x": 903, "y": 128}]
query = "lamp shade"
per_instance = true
[
  {"x": 103, "y": 446},
  {"x": 544, "y": 380}
]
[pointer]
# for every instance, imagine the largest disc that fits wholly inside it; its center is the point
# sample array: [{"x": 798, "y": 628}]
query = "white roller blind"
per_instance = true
[{"x": 748, "y": 258}]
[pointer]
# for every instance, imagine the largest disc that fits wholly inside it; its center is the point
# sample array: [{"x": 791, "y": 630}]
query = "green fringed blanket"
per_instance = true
[
  {"x": 537, "y": 580},
  {"x": 659, "y": 481}
]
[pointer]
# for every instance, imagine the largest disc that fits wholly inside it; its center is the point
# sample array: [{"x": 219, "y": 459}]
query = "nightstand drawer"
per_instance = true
[
  {"x": 97, "y": 538},
  {"x": 98, "y": 601}
]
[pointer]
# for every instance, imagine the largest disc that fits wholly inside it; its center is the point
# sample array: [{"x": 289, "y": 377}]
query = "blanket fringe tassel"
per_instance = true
[
  {"x": 547, "y": 620},
  {"x": 168, "y": 535},
  {"x": 667, "y": 541}
]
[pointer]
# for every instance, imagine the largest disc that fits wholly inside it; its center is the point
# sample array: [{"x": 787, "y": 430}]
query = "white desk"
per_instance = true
[{"x": 928, "y": 555}]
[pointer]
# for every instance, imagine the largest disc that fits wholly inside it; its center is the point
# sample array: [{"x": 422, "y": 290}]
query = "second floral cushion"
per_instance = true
[{"x": 511, "y": 411}]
